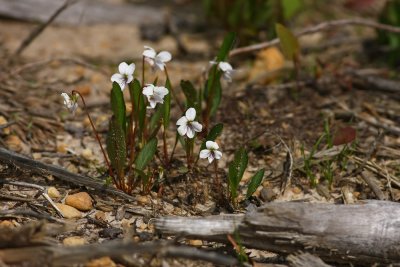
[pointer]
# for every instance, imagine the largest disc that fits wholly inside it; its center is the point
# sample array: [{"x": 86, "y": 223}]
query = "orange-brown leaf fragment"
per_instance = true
[{"x": 344, "y": 135}]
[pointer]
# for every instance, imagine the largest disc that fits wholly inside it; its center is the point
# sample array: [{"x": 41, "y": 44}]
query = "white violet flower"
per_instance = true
[
  {"x": 211, "y": 152},
  {"x": 157, "y": 61},
  {"x": 70, "y": 102},
  {"x": 187, "y": 125},
  {"x": 155, "y": 94},
  {"x": 226, "y": 69},
  {"x": 125, "y": 74}
]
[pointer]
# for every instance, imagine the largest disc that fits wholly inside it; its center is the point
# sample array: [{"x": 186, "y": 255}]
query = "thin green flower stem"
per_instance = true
[
  {"x": 188, "y": 153},
  {"x": 216, "y": 174},
  {"x": 98, "y": 139},
  {"x": 144, "y": 130},
  {"x": 132, "y": 145},
  {"x": 133, "y": 136},
  {"x": 165, "y": 145},
  {"x": 173, "y": 92},
  {"x": 143, "y": 61},
  {"x": 206, "y": 118},
  {"x": 173, "y": 149}
]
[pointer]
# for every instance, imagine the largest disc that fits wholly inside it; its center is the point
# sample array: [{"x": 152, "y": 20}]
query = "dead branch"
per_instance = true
[
  {"x": 28, "y": 213},
  {"x": 42, "y": 190},
  {"x": 317, "y": 28},
  {"x": 370, "y": 180},
  {"x": 37, "y": 31},
  {"x": 364, "y": 233},
  {"x": 67, "y": 256},
  {"x": 31, "y": 165},
  {"x": 47, "y": 62}
]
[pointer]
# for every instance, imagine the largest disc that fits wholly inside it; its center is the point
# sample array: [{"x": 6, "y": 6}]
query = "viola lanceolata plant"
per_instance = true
[{"x": 132, "y": 139}]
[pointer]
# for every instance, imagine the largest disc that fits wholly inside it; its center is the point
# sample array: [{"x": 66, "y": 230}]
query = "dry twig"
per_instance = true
[
  {"x": 67, "y": 256},
  {"x": 42, "y": 189},
  {"x": 317, "y": 28},
  {"x": 28, "y": 164},
  {"x": 37, "y": 31},
  {"x": 369, "y": 179}
]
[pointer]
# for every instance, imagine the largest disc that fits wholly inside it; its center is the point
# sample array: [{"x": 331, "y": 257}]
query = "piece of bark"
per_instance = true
[
  {"x": 372, "y": 183},
  {"x": 27, "y": 164},
  {"x": 83, "y": 12},
  {"x": 361, "y": 233},
  {"x": 305, "y": 260}
]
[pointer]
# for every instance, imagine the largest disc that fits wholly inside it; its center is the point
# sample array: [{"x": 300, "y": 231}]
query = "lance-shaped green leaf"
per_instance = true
[
  {"x": 191, "y": 95},
  {"x": 226, "y": 46},
  {"x": 135, "y": 91},
  {"x": 291, "y": 7},
  {"x": 146, "y": 154},
  {"x": 118, "y": 105},
  {"x": 213, "y": 134},
  {"x": 213, "y": 89},
  {"x": 255, "y": 182},
  {"x": 156, "y": 117},
  {"x": 216, "y": 97},
  {"x": 289, "y": 43},
  {"x": 236, "y": 170},
  {"x": 116, "y": 146},
  {"x": 167, "y": 103},
  {"x": 143, "y": 175}
]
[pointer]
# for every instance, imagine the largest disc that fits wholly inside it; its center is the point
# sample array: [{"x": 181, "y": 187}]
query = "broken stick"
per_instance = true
[{"x": 28, "y": 164}]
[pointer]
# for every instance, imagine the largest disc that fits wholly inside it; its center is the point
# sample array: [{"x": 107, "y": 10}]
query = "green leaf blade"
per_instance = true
[
  {"x": 289, "y": 43},
  {"x": 255, "y": 181},
  {"x": 135, "y": 90},
  {"x": 118, "y": 105},
  {"x": 146, "y": 154},
  {"x": 116, "y": 146},
  {"x": 236, "y": 170},
  {"x": 216, "y": 97},
  {"x": 213, "y": 134},
  {"x": 226, "y": 46},
  {"x": 191, "y": 95},
  {"x": 167, "y": 104}
]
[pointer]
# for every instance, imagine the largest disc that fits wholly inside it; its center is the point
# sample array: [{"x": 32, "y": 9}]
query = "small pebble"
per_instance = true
[
  {"x": 267, "y": 194},
  {"x": 3, "y": 121},
  {"x": 53, "y": 192},
  {"x": 6, "y": 224},
  {"x": 14, "y": 143},
  {"x": 100, "y": 215},
  {"x": 101, "y": 262},
  {"x": 195, "y": 242},
  {"x": 81, "y": 201},
  {"x": 87, "y": 154},
  {"x": 143, "y": 200},
  {"x": 68, "y": 211},
  {"x": 74, "y": 241}
]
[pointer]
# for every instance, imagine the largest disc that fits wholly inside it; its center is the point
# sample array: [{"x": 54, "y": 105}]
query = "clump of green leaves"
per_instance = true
[
  {"x": 121, "y": 139},
  {"x": 132, "y": 140},
  {"x": 235, "y": 174}
]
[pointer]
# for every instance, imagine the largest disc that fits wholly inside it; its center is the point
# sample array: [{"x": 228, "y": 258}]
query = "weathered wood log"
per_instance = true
[
  {"x": 83, "y": 12},
  {"x": 362, "y": 233}
]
